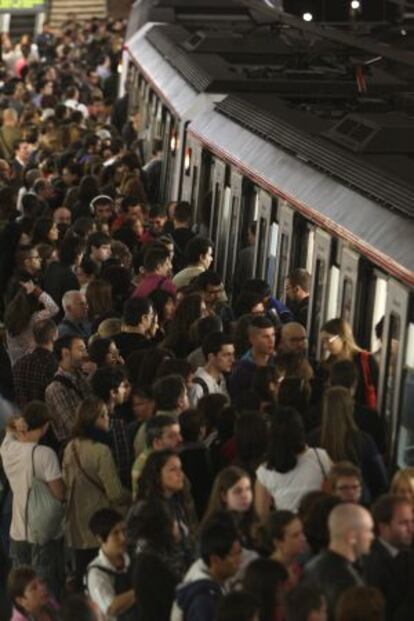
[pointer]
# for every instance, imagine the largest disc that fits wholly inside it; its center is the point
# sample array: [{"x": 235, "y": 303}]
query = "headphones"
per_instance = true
[{"x": 100, "y": 197}]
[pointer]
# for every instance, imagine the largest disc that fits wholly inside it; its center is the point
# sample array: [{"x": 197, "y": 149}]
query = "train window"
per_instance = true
[
  {"x": 261, "y": 246},
  {"x": 216, "y": 210},
  {"x": 271, "y": 264},
  {"x": 311, "y": 245},
  {"x": 347, "y": 295},
  {"x": 392, "y": 348},
  {"x": 332, "y": 304},
  {"x": 232, "y": 241},
  {"x": 283, "y": 266},
  {"x": 380, "y": 303},
  {"x": 194, "y": 186},
  {"x": 317, "y": 302},
  {"x": 224, "y": 230},
  {"x": 409, "y": 358}
]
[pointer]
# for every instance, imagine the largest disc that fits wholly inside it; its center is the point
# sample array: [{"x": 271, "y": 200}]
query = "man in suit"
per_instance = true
[{"x": 390, "y": 558}]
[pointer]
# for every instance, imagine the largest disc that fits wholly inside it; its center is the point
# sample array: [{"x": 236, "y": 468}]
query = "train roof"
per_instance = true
[{"x": 384, "y": 236}]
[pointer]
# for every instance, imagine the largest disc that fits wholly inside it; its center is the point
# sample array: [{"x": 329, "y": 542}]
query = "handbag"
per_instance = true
[
  {"x": 44, "y": 512},
  {"x": 369, "y": 388},
  {"x": 326, "y": 487}
]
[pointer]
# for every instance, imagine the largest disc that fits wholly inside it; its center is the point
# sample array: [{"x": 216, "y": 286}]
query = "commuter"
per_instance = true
[
  {"x": 402, "y": 484},
  {"x": 251, "y": 435},
  {"x": 162, "y": 478},
  {"x": 104, "y": 353},
  {"x": 345, "y": 481},
  {"x": 344, "y": 373},
  {"x": 165, "y": 307},
  {"x": 343, "y": 441},
  {"x": 179, "y": 338},
  {"x": 157, "y": 267},
  {"x": 60, "y": 275},
  {"x": 297, "y": 293},
  {"x": 210, "y": 285},
  {"x": 388, "y": 564},
  {"x": 232, "y": 492},
  {"x": 315, "y": 509},
  {"x": 68, "y": 387},
  {"x": 333, "y": 570},
  {"x": 75, "y": 321},
  {"x": 161, "y": 432},
  {"x": 79, "y": 607},
  {"x": 199, "y": 254},
  {"x": 108, "y": 576},
  {"x": 195, "y": 458},
  {"x": 99, "y": 302},
  {"x": 91, "y": 479},
  {"x": 218, "y": 350},
  {"x": 30, "y": 597},
  {"x": 304, "y": 603},
  {"x": 245, "y": 261},
  {"x": 138, "y": 328},
  {"x": 261, "y": 333},
  {"x": 33, "y": 372},
  {"x": 22, "y": 312},
  {"x": 152, "y": 603},
  {"x": 285, "y": 532},
  {"x": 203, "y": 586},
  {"x": 267, "y": 580},
  {"x": 202, "y": 328},
  {"x": 24, "y": 459},
  {"x": 274, "y": 308},
  {"x": 293, "y": 339},
  {"x": 181, "y": 233},
  {"x": 112, "y": 387},
  {"x": 249, "y": 303},
  {"x": 339, "y": 342},
  {"x": 291, "y": 468},
  {"x": 99, "y": 249}
]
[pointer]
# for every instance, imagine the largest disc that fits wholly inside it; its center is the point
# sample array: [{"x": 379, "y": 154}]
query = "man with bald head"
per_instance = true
[
  {"x": 293, "y": 338},
  {"x": 350, "y": 537},
  {"x": 75, "y": 321}
]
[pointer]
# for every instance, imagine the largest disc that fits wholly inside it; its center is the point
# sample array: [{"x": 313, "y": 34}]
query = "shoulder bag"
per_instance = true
[{"x": 44, "y": 512}]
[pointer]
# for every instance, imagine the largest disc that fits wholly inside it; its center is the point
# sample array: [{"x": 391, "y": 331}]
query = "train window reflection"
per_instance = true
[
  {"x": 232, "y": 241},
  {"x": 216, "y": 210},
  {"x": 392, "y": 348},
  {"x": 261, "y": 247},
  {"x": 317, "y": 309},
  {"x": 405, "y": 446},
  {"x": 283, "y": 265},
  {"x": 347, "y": 295}
]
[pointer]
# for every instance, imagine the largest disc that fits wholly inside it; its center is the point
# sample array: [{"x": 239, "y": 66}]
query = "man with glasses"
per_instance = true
[
  {"x": 346, "y": 481},
  {"x": 297, "y": 294}
]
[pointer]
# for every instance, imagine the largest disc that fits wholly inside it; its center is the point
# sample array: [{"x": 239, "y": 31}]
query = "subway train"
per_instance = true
[{"x": 310, "y": 137}]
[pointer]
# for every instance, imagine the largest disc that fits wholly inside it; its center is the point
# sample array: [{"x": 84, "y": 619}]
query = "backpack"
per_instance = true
[{"x": 203, "y": 384}]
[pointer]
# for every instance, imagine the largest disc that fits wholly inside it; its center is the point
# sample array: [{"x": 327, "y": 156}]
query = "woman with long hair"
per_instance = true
[
  {"x": 251, "y": 436},
  {"x": 29, "y": 305},
  {"x": 45, "y": 231},
  {"x": 343, "y": 441},
  {"x": 100, "y": 303},
  {"x": 291, "y": 468},
  {"x": 339, "y": 343},
  {"x": 288, "y": 542},
  {"x": 164, "y": 304},
  {"x": 189, "y": 310},
  {"x": 30, "y": 597},
  {"x": 402, "y": 484},
  {"x": 104, "y": 353},
  {"x": 163, "y": 478},
  {"x": 232, "y": 492},
  {"x": 91, "y": 479}
]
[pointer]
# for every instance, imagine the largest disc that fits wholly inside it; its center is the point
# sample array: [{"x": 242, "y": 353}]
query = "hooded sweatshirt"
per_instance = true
[{"x": 197, "y": 597}]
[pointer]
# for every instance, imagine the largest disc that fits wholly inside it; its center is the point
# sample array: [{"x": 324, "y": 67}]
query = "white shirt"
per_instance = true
[
  {"x": 17, "y": 464},
  {"x": 287, "y": 489},
  {"x": 73, "y": 104},
  {"x": 100, "y": 585},
  {"x": 196, "y": 391}
]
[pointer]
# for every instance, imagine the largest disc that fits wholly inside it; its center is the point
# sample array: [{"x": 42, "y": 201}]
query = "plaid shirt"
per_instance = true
[
  {"x": 31, "y": 375},
  {"x": 63, "y": 398}
]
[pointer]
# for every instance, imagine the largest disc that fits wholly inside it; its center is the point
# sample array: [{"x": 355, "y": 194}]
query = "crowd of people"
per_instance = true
[{"x": 170, "y": 449}]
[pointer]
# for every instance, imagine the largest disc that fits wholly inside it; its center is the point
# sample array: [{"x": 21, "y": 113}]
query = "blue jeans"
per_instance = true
[{"x": 47, "y": 559}]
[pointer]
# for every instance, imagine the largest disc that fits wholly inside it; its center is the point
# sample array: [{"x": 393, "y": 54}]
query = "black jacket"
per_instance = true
[{"x": 333, "y": 574}]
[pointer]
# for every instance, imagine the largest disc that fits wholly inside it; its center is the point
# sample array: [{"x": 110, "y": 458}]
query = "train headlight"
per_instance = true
[
  {"x": 307, "y": 17},
  {"x": 355, "y": 5}
]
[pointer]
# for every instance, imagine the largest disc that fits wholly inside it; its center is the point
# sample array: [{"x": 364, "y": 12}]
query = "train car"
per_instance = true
[{"x": 319, "y": 155}]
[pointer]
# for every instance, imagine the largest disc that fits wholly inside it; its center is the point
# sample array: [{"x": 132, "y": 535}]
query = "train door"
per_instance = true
[
  {"x": 319, "y": 290},
  {"x": 348, "y": 285},
  {"x": 234, "y": 229},
  {"x": 218, "y": 178},
  {"x": 284, "y": 247},
  {"x": 262, "y": 234},
  {"x": 392, "y": 360},
  {"x": 169, "y": 151}
]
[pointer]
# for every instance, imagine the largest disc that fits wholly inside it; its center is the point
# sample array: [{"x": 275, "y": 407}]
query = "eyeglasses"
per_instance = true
[
  {"x": 349, "y": 488},
  {"x": 330, "y": 339}
]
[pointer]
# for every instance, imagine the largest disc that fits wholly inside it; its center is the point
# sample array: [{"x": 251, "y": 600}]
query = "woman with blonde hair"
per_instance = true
[
  {"x": 9, "y": 133},
  {"x": 99, "y": 299},
  {"x": 339, "y": 343},
  {"x": 402, "y": 484},
  {"x": 343, "y": 441}
]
